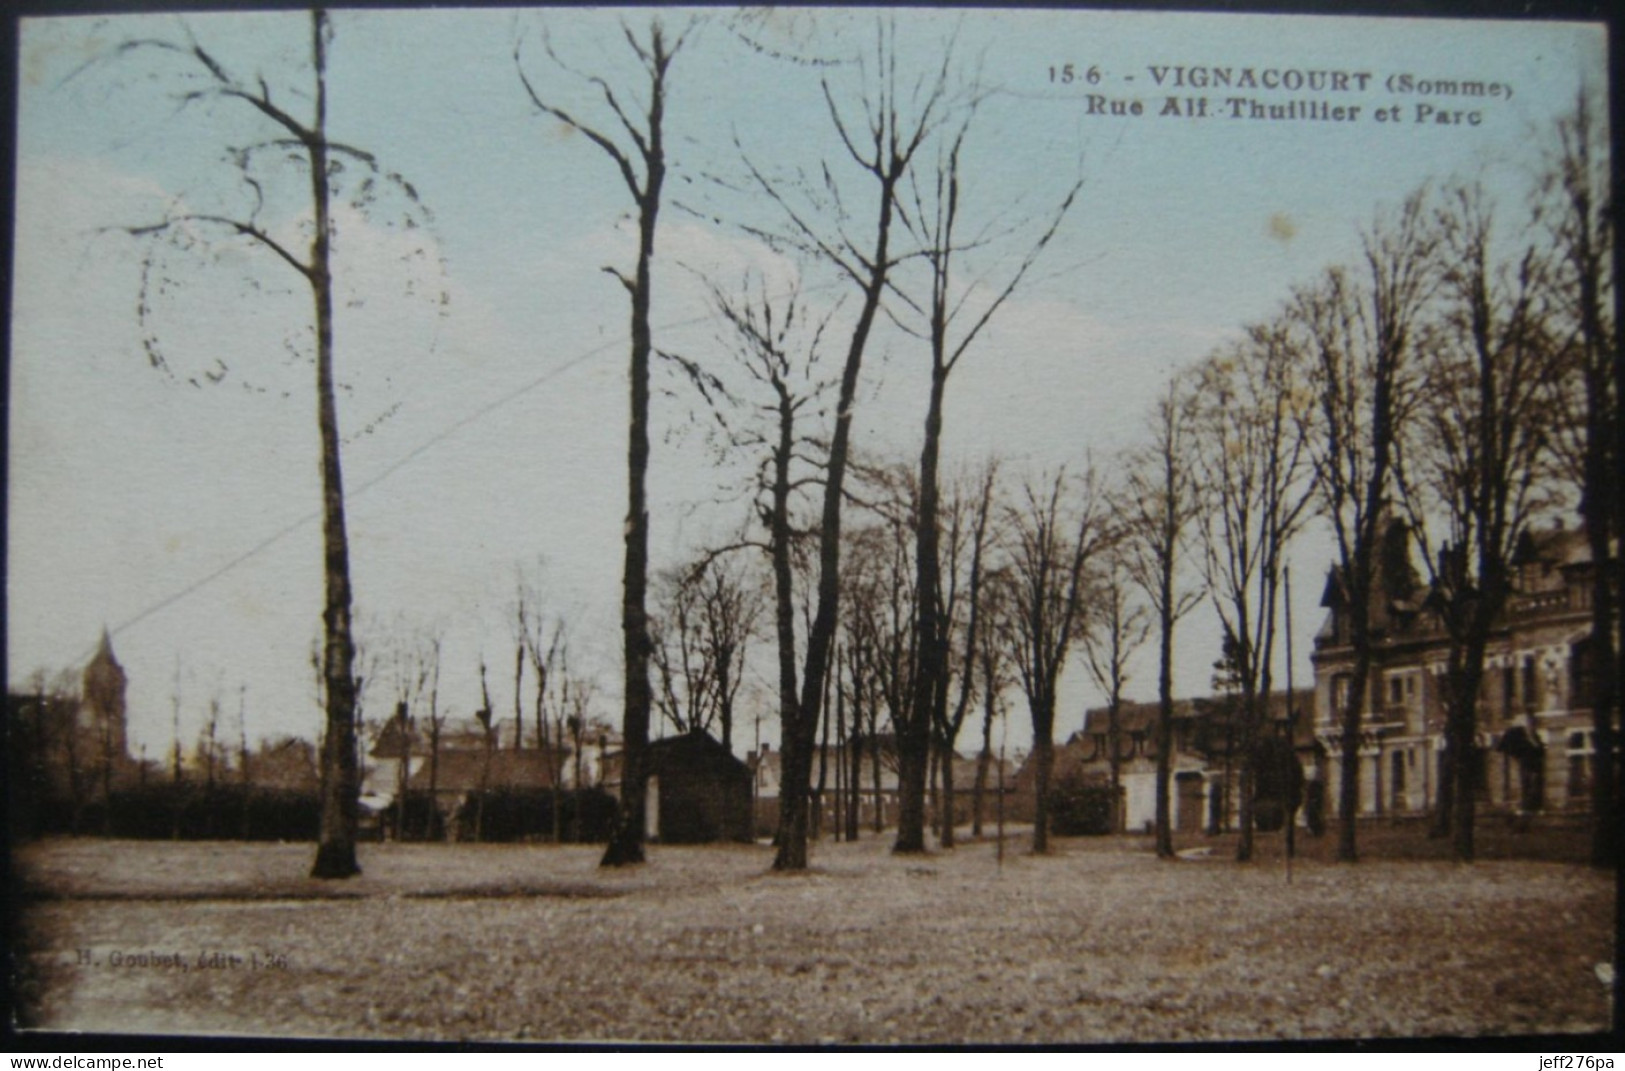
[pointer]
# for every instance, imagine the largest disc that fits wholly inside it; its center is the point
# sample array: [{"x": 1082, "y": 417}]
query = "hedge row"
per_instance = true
[{"x": 187, "y": 811}]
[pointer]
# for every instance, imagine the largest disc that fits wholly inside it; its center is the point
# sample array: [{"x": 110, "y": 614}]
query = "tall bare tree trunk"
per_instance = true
[
  {"x": 648, "y": 148},
  {"x": 1250, "y": 714},
  {"x": 880, "y": 803},
  {"x": 792, "y": 853},
  {"x": 1602, "y": 501},
  {"x": 1165, "y": 722},
  {"x": 1043, "y": 766},
  {"x": 518, "y": 696},
  {"x": 335, "y": 850},
  {"x": 1114, "y": 761},
  {"x": 1461, "y": 728},
  {"x": 984, "y": 759},
  {"x": 931, "y": 669},
  {"x": 854, "y": 780},
  {"x": 626, "y": 843}
]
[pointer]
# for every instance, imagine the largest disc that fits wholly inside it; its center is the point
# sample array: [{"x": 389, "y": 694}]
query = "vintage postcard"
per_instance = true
[{"x": 811, "y": 526}]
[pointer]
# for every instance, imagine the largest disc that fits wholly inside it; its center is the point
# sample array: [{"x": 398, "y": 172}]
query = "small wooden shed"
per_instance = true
[{"x": 698, "y": 791}]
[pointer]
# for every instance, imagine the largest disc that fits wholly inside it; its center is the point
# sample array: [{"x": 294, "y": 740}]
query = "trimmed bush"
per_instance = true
[{"x": 1080, "y": 807}]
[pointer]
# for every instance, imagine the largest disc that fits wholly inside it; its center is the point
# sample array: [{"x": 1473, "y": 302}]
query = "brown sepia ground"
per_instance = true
[{"x": 1097, "y": 943}]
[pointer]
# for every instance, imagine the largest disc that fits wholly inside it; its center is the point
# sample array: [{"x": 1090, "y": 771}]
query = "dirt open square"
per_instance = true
[{"x": 1097, "y": 943}]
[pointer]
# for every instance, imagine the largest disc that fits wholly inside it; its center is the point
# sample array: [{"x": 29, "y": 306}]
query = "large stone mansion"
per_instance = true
[{"x": 1535, "y": 744}]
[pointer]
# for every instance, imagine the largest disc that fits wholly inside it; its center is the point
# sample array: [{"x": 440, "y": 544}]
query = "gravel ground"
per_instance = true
[{"x": 1097, "y": 943}]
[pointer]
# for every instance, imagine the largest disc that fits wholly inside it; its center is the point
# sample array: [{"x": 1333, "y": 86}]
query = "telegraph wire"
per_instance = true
[{"x": 411, "y": 455}]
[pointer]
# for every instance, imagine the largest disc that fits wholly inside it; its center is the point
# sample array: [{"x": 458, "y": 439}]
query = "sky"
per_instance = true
[{"x": 482, "y": 350}]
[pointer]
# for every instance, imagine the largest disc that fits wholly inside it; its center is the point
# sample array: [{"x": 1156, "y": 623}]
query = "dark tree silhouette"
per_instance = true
[
  {"x": 1580, "y": 220},
  {"x": 642, "y": 168},
  {"x": 1119, "y": 626},
  {"x": 953, "y": 315},
  {"x": 208, "y": 81},
  {"x": 701, "y": 637},
  {"x": 1360, "y": 333},
  {"x": 1253, "y": 473},
  {"x": 1475, "y": 464},
  {"x": 764, "y": 403},
  {"x": 1052, "y": 544},
  {"x": 968, "y": 610},
  {"x": 1158, "y": 504},
  {"x": 880, "y": 136}
]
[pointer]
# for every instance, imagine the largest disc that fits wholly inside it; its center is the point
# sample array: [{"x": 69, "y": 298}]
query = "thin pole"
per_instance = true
[
  {"x": 1002, "y": 728},
  {"x": 840, "y": 759},
  {"x": 1291, "y": 721}
]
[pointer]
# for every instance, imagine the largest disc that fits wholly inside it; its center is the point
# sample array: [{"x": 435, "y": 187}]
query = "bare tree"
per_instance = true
[
  {"x": 430, "y": 653},
  {"x": 1052, "y": 542},
  {"x": 1475, "y": 464},
  {"x": 571, "y": 701},
  {"x": 1580, "y": 222},
  {"x": 543, "y": 643},
  {"x": 413, "y": 659},
  {"x": 878, "y": 598},
  {"x": 965, "y": 614},
  {"x": 1158, "y": 504},
  {"x": 642, "y": 167},
  {"x": 1361, "y": 333},
  {"x": 954, "y": 313},
  {"x": 208, "y": 744},
  {"x": 539, "y": 642},
  {"x": 1119, "y": 625},
  {"x": 175, "y": 724},
  {"x": 701, "y": 638},
  {"x": 730, "y": 606},
  {"x": 880, "y": 137},
  {"x": 207, "y": 81},
  {"x": 485, "y": 716},
  {"x": 1253, "y": 473},
  {"x": 684, "y": 685},
  {"x": 994, "y": 658},
  {"x": 765, "y": 405},
  {"x": 875, "y": 643}
]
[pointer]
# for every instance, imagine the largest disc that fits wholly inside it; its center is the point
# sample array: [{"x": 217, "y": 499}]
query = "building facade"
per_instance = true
[
  {"x": 1204, "y": 765},
  {"x": 1534, "y": 748}
]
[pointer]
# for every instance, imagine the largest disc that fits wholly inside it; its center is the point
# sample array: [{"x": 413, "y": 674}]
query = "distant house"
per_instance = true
[
  {"x": 456, "y": 764},
  {"x": 457, "y": 767},
  {"x": 697, "y": 791},
  {"x": 460, "y": 774},
  {"x": 1205, "y": 764}
]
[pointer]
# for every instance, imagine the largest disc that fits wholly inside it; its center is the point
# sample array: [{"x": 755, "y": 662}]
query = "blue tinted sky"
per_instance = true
[{"x": 487, "y": 433}]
